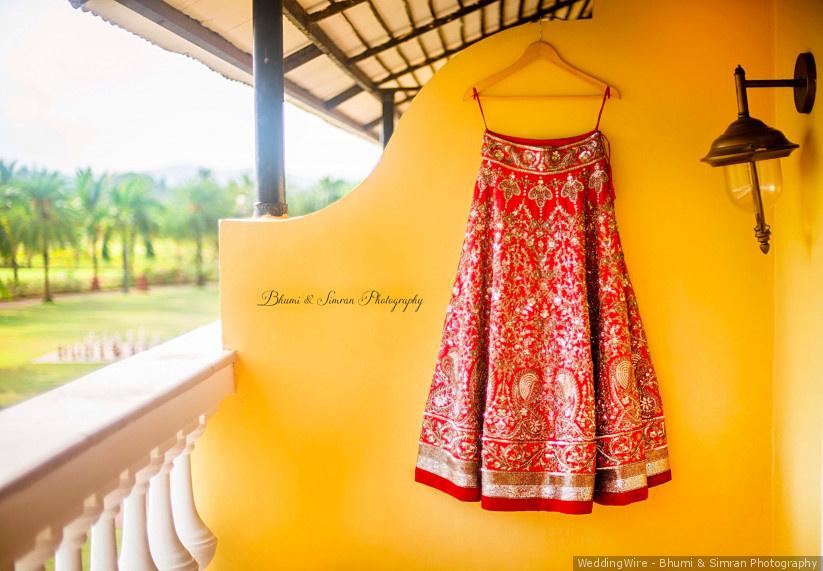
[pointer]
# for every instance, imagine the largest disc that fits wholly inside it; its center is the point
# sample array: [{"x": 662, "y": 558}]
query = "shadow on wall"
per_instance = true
[{"x": 810, "y": 199}]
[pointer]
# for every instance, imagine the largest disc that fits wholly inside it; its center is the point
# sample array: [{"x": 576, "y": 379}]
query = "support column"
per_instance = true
[
  {"x": 388, "y": 116},
  {"x": 267, "y": 18}
]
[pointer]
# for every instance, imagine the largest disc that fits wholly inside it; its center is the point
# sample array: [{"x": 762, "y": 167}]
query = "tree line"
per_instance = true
[
  {"x": 42, "y": 210},
  {"x": 106, "y": 215}
]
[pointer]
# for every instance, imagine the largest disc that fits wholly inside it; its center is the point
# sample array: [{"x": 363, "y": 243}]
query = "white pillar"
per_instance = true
[
  {"x": 166, "y": 549},
  {"x": 134, "y": 552},
  {"x": 44, "y": 547},
  {"x": 104, "y": 542},
  {"x": 69, "y": 555},
  {"x": 103, "y": 533},
  {"x": 194, "y": 534}
]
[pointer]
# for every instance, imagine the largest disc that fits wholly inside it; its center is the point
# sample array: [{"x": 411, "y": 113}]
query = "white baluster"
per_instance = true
[
  {"x": 104, "y": 542},
  {"x": 69, "y": 556},
  {"x": 194, "y": 534},
  {"x": 166, "y": 549},
  {"x": 103, "y": 533},
  {"x": 134, "y": 553},
  {"x": 44, "y": 547}
]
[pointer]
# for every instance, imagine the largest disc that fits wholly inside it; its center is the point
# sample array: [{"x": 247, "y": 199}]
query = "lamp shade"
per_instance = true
[{"x": 746, "y": 140}]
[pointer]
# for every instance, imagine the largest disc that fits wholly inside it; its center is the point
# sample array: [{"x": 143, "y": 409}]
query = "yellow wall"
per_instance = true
[
  {"x": 798, "y": 236},
  {"x": 310, "y": 465}
]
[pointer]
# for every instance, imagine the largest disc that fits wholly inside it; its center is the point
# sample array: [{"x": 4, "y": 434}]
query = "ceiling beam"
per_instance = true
[
  {"x": 333, "y": 8},
  {"x": 342, "y": 96},
  {"x": 420, "y": 30},
  {"x": 301, "y": 20},
  {"x": 301, "y": 56},
  {"x": 310, "y": 100}
]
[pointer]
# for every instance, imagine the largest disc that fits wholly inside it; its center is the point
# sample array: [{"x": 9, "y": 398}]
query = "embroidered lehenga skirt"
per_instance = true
[{"x": 544, "y": 396}]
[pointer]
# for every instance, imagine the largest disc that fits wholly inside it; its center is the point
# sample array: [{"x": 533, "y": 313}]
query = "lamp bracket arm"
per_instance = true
[
  {"x": 798, "y": 82},
  {"x": 804, "y": 84}
]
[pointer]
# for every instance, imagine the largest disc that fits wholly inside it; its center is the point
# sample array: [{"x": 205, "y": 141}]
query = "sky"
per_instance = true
[{"x": 77, "y": 91}]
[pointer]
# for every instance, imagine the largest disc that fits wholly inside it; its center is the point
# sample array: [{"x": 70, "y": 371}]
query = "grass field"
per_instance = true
[{"x": 29, "y": 330}]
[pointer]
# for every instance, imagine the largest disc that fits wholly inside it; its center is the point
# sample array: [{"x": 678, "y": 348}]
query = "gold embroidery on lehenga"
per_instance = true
[
  {"x": 544, "y": 387},
  {"x": 509, "y": 188},
  {"x": 571, "y": 187},
  {"x": 597, "y": 179},
  {"x": 540, "y": 193},
  {"x": 485, "y": 178}
]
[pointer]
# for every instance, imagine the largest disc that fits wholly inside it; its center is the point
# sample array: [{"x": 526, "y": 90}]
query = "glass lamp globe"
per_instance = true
[{"x": 740, "y": 181}]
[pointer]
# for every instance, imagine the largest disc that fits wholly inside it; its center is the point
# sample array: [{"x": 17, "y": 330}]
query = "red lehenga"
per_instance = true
[{"x": 544, "y": 396}]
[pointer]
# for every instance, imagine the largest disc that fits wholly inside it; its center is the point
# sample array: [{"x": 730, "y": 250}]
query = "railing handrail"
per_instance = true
[{"x": 40, "y": 438}]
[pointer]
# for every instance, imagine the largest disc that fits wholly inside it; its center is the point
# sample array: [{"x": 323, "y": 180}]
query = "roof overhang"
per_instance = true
[{"x": 340, "y": 57}]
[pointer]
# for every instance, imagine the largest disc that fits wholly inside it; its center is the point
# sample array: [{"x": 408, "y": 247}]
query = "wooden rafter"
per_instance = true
[
  {"x": 377, "y": 58},
  {"x": 379, "y": 17},
  {"x": 334, "y": 8},
  {"x": 301, "y": 20},
  {"x": 440, "y": 35},
  {"x": 547, "y": 11},
  {"x": 420, "y": 30},
  {"x": 462, "y": 27},
  {"x": 410, "y": 16},
  {"x": 301, "y": 56},
  {"x": 344, "y": 95}
]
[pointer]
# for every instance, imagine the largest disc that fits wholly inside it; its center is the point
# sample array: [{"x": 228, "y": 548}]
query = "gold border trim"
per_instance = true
[
  {"x": 463, "y": 473},
  {"x": 538, "y": 485},
  {"x": 632, "y": 476},
  {"x": 511, "y": 167},
  {"x": 594, "y": 134}
]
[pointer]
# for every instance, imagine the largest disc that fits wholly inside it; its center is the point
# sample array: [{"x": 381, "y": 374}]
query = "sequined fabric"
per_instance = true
[{"x": 544, "y": 396}]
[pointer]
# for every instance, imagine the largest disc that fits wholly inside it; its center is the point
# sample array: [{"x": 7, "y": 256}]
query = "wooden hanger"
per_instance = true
[{"x": 535, "y": 51}]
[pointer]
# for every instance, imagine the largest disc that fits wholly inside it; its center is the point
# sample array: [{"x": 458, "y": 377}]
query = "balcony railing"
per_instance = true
[{"x": 118, "y": 437}]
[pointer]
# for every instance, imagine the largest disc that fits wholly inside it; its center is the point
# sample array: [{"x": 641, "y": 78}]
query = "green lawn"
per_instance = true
[{"x": 32, "y": 329}]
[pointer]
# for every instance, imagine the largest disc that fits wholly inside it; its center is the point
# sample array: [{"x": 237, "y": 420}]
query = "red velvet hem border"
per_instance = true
[
  {"x": 536, "y": 504},
  {"x": 631, "y": 496},
  {"x": 658, "y": 479},
  {"x": 621, "y": 498},
  {"x": 444, "y": 485}
]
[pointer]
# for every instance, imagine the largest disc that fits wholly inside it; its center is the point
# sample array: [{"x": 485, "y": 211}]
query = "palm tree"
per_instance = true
[
  {"x": 193, "y": 213},
  {"x": 132, "y": 212},
  {"x": 12, "y": 216},
  {"x": 91, "y": 193},
  {"x": 51, "y": 219},
  {"x": 319, "y": 195}
]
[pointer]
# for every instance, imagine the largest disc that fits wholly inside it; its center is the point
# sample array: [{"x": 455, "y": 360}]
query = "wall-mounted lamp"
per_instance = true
[{"x": 751, "y": 150}]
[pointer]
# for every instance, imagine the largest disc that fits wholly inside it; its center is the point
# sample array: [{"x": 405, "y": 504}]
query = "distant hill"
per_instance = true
[{"x": 177, "y": 174}]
